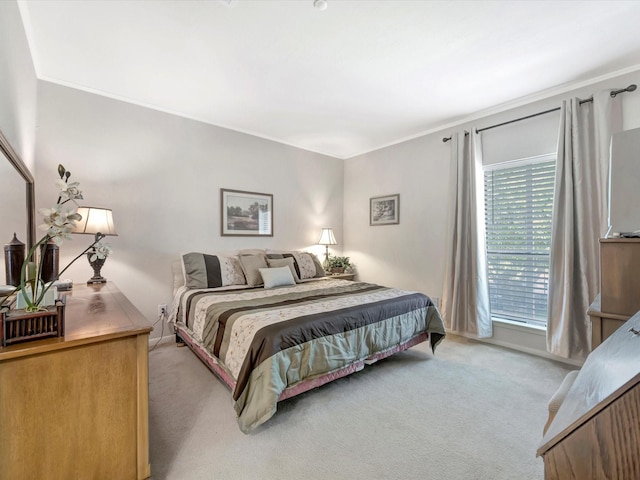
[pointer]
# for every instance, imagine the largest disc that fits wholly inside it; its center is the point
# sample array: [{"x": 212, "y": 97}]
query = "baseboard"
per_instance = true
[
  {"x": 532, "y": 351},
  {"x": 166, "y": 338},
  {"x": 521, "y": 348}
]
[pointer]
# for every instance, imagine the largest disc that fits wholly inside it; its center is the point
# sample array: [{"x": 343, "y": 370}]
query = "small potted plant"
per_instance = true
[{"x": 338, "y": 264}]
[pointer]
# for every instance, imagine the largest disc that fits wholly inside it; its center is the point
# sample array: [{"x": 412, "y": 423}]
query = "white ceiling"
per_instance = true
[{"x": 358, "y": 76}]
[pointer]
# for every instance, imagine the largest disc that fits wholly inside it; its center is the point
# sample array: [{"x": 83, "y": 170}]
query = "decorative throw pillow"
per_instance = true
[
  {"x": 276, "y": 277},
  {"x": 251, "y": 265},
  {"x": 280, "y": 255},
  {"x": 319, "y": 267},
  {"x": 305, "y": 264},
  {"x": 284, "y": 262},
  {"x": 231, "y": 270},
  {"x": 211, "y": 271}
]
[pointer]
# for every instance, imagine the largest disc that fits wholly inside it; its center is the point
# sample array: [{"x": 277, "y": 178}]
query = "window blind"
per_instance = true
[{"x": 518, "y": 207}]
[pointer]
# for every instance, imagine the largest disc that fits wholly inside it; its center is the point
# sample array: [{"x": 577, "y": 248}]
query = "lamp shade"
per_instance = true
[
  {"x": 327, "y": 237},
  {"x": 95, "y": 220}
]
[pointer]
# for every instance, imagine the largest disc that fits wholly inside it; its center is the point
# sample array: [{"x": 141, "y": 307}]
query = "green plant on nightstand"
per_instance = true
[{"x": 338, "y": 264}]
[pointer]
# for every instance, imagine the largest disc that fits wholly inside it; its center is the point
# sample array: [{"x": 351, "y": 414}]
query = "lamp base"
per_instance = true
[
  {"x": 97, "y": 266},
  {"x": 326, "y": 258},
  {"x": 93, "y": 280}
]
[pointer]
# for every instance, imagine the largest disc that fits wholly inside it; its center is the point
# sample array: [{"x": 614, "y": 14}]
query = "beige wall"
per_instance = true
[
  {"x": 161, "y": 174},
  {"x": 412, "y": 254},
  {"x": 17, "y": 121},
  {"x": 17, "y": 84}
]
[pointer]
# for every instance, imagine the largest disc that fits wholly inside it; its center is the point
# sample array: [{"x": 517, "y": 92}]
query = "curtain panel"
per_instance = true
[
  {"x": 580, "y": 219},
  {"x": 465, "y": 303}
]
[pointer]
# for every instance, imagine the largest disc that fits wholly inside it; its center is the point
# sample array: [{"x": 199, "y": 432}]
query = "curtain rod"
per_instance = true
[{"x": 613, "y": 93}]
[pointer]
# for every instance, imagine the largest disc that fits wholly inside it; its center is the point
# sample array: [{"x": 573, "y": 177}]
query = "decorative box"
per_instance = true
[{"x": 21, "y": 326}]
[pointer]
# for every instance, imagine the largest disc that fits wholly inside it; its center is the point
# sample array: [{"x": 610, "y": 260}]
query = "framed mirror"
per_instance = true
[{"x": 17, "y": 198}]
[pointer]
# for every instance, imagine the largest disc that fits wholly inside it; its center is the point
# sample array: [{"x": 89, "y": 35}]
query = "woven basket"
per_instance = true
[{"x": 21, "y": 326}]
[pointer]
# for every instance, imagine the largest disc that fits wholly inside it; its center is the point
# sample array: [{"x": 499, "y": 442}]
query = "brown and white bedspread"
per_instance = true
[{"x": 266, "y": 340}]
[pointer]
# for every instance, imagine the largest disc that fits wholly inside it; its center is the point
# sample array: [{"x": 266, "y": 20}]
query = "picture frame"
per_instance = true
[
  {"x": 245, "y": 214},
  {"x": 384, "y": 210}
]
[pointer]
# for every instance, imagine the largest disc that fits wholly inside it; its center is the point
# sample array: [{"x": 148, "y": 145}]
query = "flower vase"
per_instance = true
[
  {"x": 23, "y": 295},
  {"x": 14, "y": 253},
  {"x": 50, "y": 261}
]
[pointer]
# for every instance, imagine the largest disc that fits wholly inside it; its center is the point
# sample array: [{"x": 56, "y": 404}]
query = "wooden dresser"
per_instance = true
[
  {"x": 596, "y": 432},
  {"x": 603, "y": 324},
  {"x": 619, "y": 296},
  {"x": 77, "y": 407}
]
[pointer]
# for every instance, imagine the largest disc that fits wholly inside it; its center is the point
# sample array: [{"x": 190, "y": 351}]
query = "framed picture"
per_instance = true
[
  {"x": 246, "y": 214},
  {"x": 384, "y": 210}
]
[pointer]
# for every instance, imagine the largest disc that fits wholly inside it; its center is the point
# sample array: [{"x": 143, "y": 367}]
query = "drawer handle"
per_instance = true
[{"x": 634, "y": 331}]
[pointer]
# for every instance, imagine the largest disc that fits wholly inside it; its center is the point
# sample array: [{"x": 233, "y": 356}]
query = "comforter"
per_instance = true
[{"x": 269, "y": 339}]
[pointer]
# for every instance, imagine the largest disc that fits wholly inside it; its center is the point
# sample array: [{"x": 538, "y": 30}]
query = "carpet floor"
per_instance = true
[{"x": 471, "y": 411}]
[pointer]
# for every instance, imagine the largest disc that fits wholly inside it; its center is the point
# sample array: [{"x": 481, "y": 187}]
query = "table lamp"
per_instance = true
[
  {"x": 98, "y": 222},
  {"x": 327, "y": 238}
]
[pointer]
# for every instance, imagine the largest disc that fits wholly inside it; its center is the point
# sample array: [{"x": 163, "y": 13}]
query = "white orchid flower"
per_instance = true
[
  {"x": 69, "y": 191},
  {"x": 58, "y": 222},
  {"x": 59, "y": 234},
  {"x": 100, "y": 250}
]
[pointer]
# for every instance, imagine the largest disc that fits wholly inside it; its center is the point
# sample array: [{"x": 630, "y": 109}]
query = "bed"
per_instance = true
[{"x": 271, "y": 325}]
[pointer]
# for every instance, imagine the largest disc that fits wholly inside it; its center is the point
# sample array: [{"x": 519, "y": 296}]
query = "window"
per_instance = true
[{"x": 518, "y": 204}]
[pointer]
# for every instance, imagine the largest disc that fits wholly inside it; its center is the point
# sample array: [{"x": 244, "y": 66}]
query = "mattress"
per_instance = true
[{"x": 267, "y": 343}]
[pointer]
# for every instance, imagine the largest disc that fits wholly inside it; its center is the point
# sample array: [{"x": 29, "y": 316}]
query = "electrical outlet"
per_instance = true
[{"x": 162, "y": 310}]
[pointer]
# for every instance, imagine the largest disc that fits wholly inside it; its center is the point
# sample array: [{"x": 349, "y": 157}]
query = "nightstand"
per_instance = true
[{"x": 342, "y": 276}]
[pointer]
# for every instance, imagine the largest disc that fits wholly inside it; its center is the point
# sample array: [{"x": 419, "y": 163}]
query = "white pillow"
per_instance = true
[{"x": 276, "y": 277}]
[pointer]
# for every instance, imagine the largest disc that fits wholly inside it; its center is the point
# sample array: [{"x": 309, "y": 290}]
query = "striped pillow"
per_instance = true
[
  {"x": 318, "y": 265},
  {"x": 211, "y": 271},
  {"x": 306, "y": 264}
]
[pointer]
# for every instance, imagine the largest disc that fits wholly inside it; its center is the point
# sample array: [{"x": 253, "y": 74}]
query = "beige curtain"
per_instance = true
[
  {"x": 465, "y": 302},
  {"x": 579, "y": 220}
]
